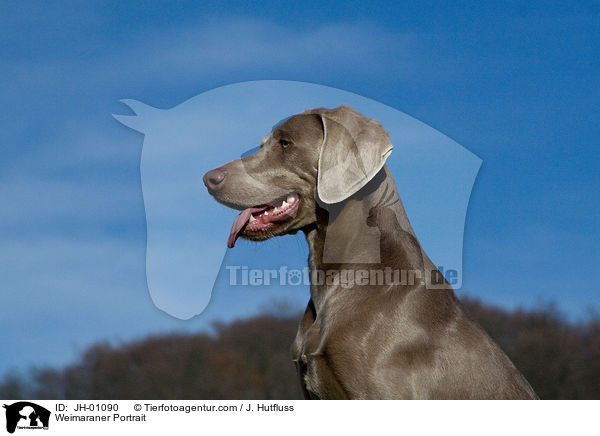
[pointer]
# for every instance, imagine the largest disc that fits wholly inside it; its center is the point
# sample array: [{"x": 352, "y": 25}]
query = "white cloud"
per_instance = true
[
  {"x": 29, "y": 202},
  {"x": 205, "y": 50}
]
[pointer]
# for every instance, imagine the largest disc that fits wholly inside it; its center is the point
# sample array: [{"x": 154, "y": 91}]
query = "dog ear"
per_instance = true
[{"x": 354, "y": 149}]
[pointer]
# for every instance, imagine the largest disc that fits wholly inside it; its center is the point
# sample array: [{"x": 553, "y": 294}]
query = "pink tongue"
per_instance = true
[{"x": 239, "y": 223}]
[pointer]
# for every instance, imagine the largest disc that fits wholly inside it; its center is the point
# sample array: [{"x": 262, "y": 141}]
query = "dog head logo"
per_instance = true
[
  {"x": 187, "y": 232},
  {"x": 26, "y": 415}
]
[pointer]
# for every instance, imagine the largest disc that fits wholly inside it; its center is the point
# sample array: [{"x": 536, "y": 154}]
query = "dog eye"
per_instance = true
[{"x": 283, "y": 143}]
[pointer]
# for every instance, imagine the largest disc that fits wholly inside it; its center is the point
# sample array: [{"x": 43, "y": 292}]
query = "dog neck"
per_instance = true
[{"x": 369, "y": 232}]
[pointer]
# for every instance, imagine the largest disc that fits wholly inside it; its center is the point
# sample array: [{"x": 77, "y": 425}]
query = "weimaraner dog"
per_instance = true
[{"x": 395, "y": 329}]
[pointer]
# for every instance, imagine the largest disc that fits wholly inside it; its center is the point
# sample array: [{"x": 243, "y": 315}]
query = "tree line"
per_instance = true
[{"x": 249, "y": 359}]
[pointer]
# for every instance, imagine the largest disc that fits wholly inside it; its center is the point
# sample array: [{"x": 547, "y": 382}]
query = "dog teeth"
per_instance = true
[
  {"x": 284, "y": 204},
  {"x": 291, "y": 198},
  {"x": 266, "y": 213},
  {"x": 252, "y": 218}
]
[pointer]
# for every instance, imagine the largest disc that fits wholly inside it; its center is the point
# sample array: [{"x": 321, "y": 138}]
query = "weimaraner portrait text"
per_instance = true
[{"x": 396, "y": 330}]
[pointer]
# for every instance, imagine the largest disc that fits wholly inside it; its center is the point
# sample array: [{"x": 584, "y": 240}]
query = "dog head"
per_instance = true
[{"x": 320, "y": 156}]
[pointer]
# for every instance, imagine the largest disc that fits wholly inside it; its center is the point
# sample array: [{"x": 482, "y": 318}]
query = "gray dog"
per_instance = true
[{"x": 381, "y": 334}]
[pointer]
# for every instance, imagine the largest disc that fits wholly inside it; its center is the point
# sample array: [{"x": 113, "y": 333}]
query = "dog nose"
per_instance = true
[{"x": 214, "y": 179}]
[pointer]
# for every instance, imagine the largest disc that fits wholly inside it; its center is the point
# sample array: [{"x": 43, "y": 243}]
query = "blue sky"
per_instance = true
[{"x": 515, "y": 83}]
